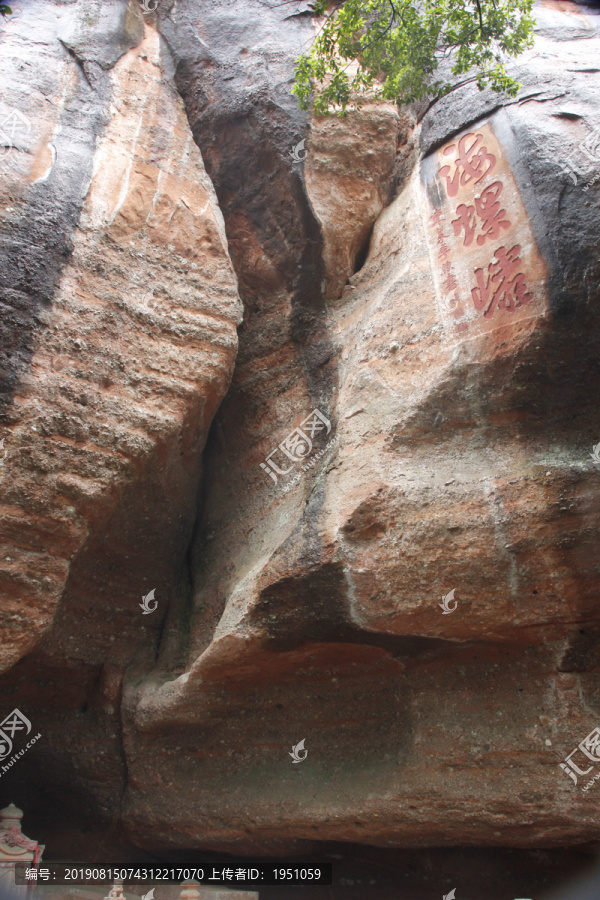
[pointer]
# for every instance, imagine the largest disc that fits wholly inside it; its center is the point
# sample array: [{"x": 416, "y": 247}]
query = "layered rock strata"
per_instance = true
[{"x": 411, "y": 415}]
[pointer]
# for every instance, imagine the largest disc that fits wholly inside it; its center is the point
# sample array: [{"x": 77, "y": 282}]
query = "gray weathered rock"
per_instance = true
[{"x": 454, "y": 453}]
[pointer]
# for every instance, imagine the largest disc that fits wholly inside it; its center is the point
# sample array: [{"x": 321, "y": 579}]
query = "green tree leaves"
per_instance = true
[{"x": 392, "y": 49}]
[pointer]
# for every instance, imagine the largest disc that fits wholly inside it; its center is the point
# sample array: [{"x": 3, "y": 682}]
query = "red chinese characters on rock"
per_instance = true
[
  {"x": 449, "y": 283},
  {"x": 504, "y": 287},
  {"x": 501, "y": 285},
  {"x": 451, "y": 302},
  {"x": 473, "y": 163},
  {"x": 487, "y": 208}
]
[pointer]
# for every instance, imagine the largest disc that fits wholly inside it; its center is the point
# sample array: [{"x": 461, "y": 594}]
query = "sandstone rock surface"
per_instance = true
[
  {"x": 420, "y": 298},
  {"x": 121, "y": 307}
]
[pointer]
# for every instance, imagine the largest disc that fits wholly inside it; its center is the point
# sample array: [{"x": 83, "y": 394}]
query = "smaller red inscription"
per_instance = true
[
  {"x": 504, "y": 287},
  {"x": 443, "y": 249},
  {"x": 450, "y": 283},
  {"x": 474, "y": 161}
]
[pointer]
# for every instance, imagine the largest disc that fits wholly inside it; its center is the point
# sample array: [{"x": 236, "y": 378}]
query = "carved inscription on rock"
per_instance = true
[{"x": 487, "y": 269}]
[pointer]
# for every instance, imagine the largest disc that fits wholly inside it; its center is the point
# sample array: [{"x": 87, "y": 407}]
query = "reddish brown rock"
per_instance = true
[
  {"x": 131, "y": 359},
  {"x": 455, "y": 416},
  {"x": 449, "y": 471},
  {"x": 353, "y": 166}
]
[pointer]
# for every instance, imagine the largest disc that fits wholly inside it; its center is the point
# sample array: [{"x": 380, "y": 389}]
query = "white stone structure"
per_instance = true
[{"x": 15, "y": 848}]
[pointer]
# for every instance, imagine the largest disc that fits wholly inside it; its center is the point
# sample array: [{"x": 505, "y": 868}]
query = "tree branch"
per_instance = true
[{"x": 480, "y": 18}]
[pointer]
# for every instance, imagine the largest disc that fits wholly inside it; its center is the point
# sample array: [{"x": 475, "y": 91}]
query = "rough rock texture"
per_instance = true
[
  {"x": 121, "y": 304},
  {"x": 120, "y": 309},
  {"x": 451, "y": 450}
]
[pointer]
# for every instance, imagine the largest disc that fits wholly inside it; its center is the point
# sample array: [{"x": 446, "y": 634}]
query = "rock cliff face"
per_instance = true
[{"x": 410, "y": 412}]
